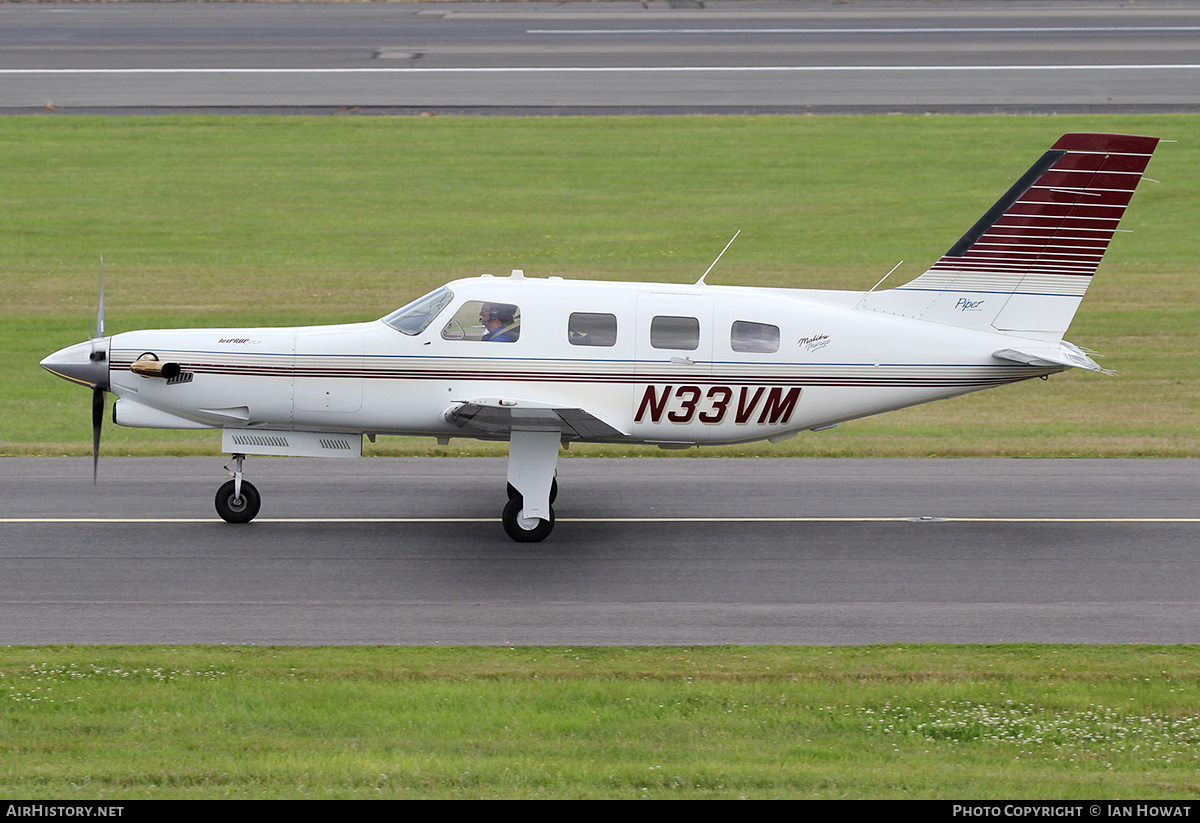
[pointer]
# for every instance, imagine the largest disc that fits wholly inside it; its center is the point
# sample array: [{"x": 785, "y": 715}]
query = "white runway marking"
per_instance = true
[
  {"x": 603, "y": 69},
  {"x": 904, "y": 519},
  {"x": 965, "y": 30}
]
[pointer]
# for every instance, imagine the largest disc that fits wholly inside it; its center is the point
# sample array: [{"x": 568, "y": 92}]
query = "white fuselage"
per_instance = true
[{"x": 664, "y": 364}]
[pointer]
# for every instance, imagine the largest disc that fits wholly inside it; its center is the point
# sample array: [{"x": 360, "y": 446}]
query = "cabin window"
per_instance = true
[
  {"x": 417, "y": 315},
  {"x": 675, "y": 333},
  {"x": 484, "y": 321},
  {"x": 591, "y": 329},
  {"x": 754, "y": 337}
]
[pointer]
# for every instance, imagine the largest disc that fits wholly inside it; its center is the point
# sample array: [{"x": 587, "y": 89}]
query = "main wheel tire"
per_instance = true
[
  {"x": 512, "y": 490},
  {"x": 234, "y": 510},
  {"x": 525, "y": 530}
]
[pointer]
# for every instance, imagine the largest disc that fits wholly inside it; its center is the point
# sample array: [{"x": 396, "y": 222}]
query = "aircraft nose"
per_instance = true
[{"x": 84, "y": 363}]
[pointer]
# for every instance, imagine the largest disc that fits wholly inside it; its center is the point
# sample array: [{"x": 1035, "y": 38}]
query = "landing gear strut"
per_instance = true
[
  {"x": 512, "y": 490},
  {"x": 237, "y": 500}
]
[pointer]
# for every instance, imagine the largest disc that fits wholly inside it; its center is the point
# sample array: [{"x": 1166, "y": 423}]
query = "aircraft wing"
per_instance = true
[
  {"x": 496, "y": 416},
  {"x": 1063, "y": 354}
]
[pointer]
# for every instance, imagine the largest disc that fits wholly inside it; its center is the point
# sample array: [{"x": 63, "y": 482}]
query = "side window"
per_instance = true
[
  {"x": 675, "y": 333},
  {"x": 487, "y": 322},
  {"x": 590, "y": 329},
  {"x": 754, "y": 337}
]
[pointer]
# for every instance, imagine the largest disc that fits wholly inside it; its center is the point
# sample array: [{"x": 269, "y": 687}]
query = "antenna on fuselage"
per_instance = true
[
  {"x": 701, "y": 282},
  {"x": 880, "y": 283},
  {"x": 885, "y": 277}
]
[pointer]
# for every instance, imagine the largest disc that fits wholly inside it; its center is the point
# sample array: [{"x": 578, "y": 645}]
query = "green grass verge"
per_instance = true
[
  {"x": 236, "y": 221},
  {"x": 954, "y": 722}
]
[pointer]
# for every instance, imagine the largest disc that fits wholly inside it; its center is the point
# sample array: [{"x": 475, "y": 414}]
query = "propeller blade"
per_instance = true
[
  {"x": 100, "y": 307},
  {"x": 97, "y": 420},
  {"x": 99, "y": 355}
]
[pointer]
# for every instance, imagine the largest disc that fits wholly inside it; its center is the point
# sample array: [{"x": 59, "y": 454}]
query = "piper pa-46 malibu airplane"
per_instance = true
[{"x": 546, "y": 362}]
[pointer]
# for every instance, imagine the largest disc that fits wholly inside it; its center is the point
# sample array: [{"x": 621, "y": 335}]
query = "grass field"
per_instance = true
[
  {"x": 952, "y": 722},
  {"x": 235, "y": 221}
]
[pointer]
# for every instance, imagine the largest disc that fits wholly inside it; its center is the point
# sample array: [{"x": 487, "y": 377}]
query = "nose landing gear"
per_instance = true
[{"x": 237, "y": 500}]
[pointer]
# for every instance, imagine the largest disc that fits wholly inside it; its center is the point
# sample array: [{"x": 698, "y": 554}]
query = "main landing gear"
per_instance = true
[
  {"x": 532, "y": 456},
  {"x": 237, "y": 499}
]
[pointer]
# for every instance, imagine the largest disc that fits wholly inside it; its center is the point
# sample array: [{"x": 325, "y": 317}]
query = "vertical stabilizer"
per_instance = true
[{"x": 1024, "y": 266}]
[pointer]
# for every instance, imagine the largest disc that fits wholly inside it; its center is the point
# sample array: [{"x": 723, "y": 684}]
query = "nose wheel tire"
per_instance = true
[
  {"x": 525, "y": 529},
  {"x": 237, "y": 510}
]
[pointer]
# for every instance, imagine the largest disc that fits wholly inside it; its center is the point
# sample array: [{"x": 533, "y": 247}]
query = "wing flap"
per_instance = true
[{"x": 498, "y": 417}]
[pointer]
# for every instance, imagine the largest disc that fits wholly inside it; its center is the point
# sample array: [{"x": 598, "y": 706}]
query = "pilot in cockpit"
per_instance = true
[{"x": 500, "y": 320}]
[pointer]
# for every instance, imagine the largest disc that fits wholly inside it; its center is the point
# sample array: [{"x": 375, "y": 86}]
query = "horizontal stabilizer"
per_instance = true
[{"x": 1063, "y": 354}]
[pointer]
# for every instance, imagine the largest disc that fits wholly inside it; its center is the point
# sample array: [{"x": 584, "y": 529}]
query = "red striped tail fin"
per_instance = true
[{"x": 1025, "y": 265}]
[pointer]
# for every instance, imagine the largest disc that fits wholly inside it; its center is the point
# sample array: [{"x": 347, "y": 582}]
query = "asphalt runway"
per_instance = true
[
  {"x": 645, "y": 552},
  {"x": 611, "y": 57}
]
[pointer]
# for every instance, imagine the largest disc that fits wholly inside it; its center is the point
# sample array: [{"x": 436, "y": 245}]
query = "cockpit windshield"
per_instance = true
[{"x": 417, "y": 315}]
